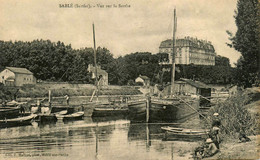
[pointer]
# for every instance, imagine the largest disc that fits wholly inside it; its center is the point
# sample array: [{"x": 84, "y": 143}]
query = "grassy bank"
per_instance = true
[
  {"x": 231, "y": 149},
  {"x": 238, "y": 115},
  {"x": 58, "y": 90}
]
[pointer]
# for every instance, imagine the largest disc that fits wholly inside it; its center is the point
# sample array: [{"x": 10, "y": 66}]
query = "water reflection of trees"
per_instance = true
[{"x": 57, "y": 137}]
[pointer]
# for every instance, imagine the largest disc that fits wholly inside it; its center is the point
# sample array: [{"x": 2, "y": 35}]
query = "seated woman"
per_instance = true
[{"x": 210, "y": 150}]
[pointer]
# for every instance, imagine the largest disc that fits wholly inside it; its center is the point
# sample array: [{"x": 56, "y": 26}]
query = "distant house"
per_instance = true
[
  {"x": 13, "y": 76},
  {"x": 101, "y": 74},
  {"x": 144, "y": 80}
]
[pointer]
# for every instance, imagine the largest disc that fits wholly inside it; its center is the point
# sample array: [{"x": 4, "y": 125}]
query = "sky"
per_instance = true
[{"x": 139, "y": 27}]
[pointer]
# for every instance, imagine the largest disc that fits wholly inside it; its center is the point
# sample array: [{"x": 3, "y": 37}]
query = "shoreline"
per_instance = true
[{"x": 232, "y": 149}]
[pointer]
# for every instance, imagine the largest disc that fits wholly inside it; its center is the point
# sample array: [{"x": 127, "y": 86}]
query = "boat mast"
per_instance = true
[
  {"x": 95, "y": 61},
  {"x": 173, "y": 51}
]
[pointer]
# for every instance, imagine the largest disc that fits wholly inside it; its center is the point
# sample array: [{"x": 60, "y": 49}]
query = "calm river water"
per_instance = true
[{"x": 92, "y": 139}]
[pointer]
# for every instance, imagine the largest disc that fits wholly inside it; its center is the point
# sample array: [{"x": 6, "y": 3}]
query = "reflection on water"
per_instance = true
[{"x": 91, "y": 139}]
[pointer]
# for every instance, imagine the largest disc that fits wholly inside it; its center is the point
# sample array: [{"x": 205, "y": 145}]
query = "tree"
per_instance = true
[
  {"x": 246, "y": 41},
  {"x": 140, "y": 63},
  {"x": 222, "y": 61}
]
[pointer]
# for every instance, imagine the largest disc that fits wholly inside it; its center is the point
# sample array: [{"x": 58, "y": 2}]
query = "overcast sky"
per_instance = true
[{"x": 140, "y": 27}]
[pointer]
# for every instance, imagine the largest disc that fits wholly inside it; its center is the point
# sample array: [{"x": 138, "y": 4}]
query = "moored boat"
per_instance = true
[
  {"x": 110, "y": 110},
  {"x": 163, "y": 110},
  {"x": 9, "y": 112},
  {"x": 19, "y": 121},
  {"x": 185, "y": 133},
  {"x": 50, "y": 117}
]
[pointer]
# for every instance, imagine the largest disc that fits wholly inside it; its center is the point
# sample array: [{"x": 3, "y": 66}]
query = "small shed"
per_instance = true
[
  {"x": 188, "y": 86},
  {"x": 191, "y": 87},
  {"x": 144, "y": 80},
  {"x": 13, "y": 76}
]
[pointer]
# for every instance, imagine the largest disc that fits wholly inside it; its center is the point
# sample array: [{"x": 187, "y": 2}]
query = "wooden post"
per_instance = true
[
  {"x": 173, "y": 52},
  {"x": 217, "y": 97},
  {"x": 95, "y": 61},
  {"x": 96, "y": 141},
  {"x": 148, "y": 141},
  {"x": 172, "y": 153},
  {"x": 49, "y": 98},
  {"x": 148, "y": 102}
]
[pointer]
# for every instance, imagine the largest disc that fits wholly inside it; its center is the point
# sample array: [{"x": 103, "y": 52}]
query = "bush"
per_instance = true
[
  {"x": 131, "y": 82},
  {"x": 234, "y": 116}
]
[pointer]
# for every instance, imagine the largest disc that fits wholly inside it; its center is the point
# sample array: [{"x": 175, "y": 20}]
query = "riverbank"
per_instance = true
[
  {"x": 239, "y": 113},
  {"x": 41, "y": 90},
  {"x": 232, "y": 149},
  {"x": 242, "y": 115}
]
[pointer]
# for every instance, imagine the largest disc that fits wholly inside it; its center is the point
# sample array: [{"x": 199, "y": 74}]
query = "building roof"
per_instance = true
[
  {"x": 196, "y": 84},
  {"x": 19, "y": 70},
  {"x": 10, "y": 79},
  {"x": 100, "y": 71},
  {"x": 188, "y": 42},
  {"x": 144, "y": 77},
  {"x": 179, "y": 82}
]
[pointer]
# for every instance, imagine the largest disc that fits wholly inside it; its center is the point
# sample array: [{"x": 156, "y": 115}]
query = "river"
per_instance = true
[{"x": 92, "y": 140}]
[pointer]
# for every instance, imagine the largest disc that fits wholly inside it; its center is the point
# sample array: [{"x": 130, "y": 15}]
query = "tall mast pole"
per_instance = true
[
  {"x": 95, "y": 61},
  {"x": 173, "y": 51}
]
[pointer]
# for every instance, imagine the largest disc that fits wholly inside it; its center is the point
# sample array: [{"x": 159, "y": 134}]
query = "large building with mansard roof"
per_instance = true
[{"x": 189, "y": 51}]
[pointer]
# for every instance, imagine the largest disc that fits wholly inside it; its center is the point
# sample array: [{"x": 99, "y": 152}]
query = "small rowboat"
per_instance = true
[
  {"x": 183, "y": 132},
  {"x": 9, "y": 112},
  {"x": 50, "y": 117},
  {"x": 77, "y": 115},
  {"x": 26, "y": 120}
]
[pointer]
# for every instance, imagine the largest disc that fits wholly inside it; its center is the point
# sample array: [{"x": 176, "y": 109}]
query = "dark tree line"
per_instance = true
[
  {"x": 52, "y": 61},
  {"x": 247, "y": 42},
  {"x": 55, "y": 61}
]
